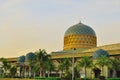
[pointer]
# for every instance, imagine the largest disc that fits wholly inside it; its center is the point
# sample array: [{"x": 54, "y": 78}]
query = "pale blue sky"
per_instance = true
[{"x": 28, "y": 25}]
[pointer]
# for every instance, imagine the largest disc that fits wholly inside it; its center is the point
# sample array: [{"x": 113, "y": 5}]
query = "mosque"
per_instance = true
[{"x": 81, "y": 40}]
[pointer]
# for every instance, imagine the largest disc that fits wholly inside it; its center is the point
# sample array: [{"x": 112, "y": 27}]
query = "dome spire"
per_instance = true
[{"x": 79, "y": 21}]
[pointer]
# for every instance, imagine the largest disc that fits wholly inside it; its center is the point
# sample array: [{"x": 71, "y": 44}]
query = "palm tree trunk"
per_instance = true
[
  {"x": 34, "y": 74},
  {"x": 25, "y": 72},
  {"x": 29, "y": 71},
  {"x": 114, "y": 73},
  {"x": 85, "y": 72},
  {"x": 20, "y": 71},
  {"x": 60, "y": 74},
  {"x": 40, "y": 73},
  {"x": 5, "y": 72},
  {"x": 44, "y": 73},
  {"x": 48, "y": 74},
  {"x": 102, "y": 71}
]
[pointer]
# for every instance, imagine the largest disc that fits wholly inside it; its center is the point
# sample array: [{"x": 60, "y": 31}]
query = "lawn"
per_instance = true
[{"x": 15, "y": 79}]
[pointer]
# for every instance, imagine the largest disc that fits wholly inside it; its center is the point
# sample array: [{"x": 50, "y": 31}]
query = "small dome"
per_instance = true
[
  {"x": 99, "y": 53},
  {"x": 30, "y": 56},
  {"x": 21, "y": 59},
  {"x": 80, "y": 29}
]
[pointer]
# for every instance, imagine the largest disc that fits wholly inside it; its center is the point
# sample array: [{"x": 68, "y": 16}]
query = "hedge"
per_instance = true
[
  {"x": 47, "y": 78},
  {"x": 113, "y": 78}
]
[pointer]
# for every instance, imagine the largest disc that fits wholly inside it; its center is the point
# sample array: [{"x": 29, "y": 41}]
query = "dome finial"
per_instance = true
[{"x": 79, "y": 21}]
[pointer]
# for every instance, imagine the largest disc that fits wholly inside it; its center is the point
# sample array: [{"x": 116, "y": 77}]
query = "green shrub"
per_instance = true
[
  {"x": 47, "y": 78},
  {"x": 53, "y": 78},
  {"x": 76, "y": 79},
  {"x": 85, "y": 79},
  {"x": 94, "y": 79},
  {"x": 114, "y": 79},
  {"x": 39, "y": 78}
]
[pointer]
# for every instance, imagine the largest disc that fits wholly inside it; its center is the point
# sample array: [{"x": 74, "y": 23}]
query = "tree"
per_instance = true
[
  {"x": 67, "y": 64},
  {"x": 30, "y": 65},
  {"x": 85, "y": 62},
  {"x": 35, "y": 68},
  {"x": 5, "y": 65},
  {"x": 115, "y": 65},
  {"x": 103, "y": 61},
  {"x": 49, "y": 65},
  {"x": 64, "y": 66},
  {"x": 13, "y": 71},
  {"x": 77, "y": 72},
  {"x": 61, "y": 68},
  {"x": 30, "y": 57},
  {"x": 1, "y": 70},
  {"x": 21, "y": 64},
  {"x": 41, "y": 58},
  {"x": 45, "y": 65}
]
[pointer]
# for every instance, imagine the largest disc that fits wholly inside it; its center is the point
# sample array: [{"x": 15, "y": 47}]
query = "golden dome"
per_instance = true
[{"x": 79, "y": 36}]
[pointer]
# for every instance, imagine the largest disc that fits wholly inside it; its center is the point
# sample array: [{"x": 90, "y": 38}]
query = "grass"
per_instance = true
[{"x": 15, "y": 79}]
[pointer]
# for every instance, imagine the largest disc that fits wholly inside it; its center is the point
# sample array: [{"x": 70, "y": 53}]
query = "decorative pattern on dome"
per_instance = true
[
  {"x": 80, "y": 36},
  {"x": 30, "y": 56},
  {"x": 99, "y": 53},
  {"x": 80, "y": 29},
  {"x": 21, "y": 59}
]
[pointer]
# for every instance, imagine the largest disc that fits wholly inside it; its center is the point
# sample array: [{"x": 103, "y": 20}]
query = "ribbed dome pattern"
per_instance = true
[
  {"x": 80, "y": 29},
  {"x": 21, "y": 59},
  {"x": 99, "y": 53},
  {"x": 79, "y": 36},
  {"x": 30, "y": 56}
]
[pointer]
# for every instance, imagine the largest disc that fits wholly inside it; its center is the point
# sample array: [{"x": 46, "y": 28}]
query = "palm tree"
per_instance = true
[
  {"x": 64, "y": 66},
  {"x": 1, "y": 72},
  {"x": 85, "y": 62},
  {"x": 49, "y": 65},
  {"x": 67, "y": 64},
  {"x": 29, "y": 61},
  {"x": 103, "y": 61},
  {"x": 61, "y": 68},
  {"x": 77, "y": 71},
  {"x": 115, "y": 65},
  {"x": 8, "y": 68},
  {"x": 35, "y": 68},
  {"x": 21, "y": 64},
  {"x": 30, "y": 65},
  {"x": 13, "y": 71},
  {"x": 41, "y": 58},
  {"x": 5, "y": 65}
]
